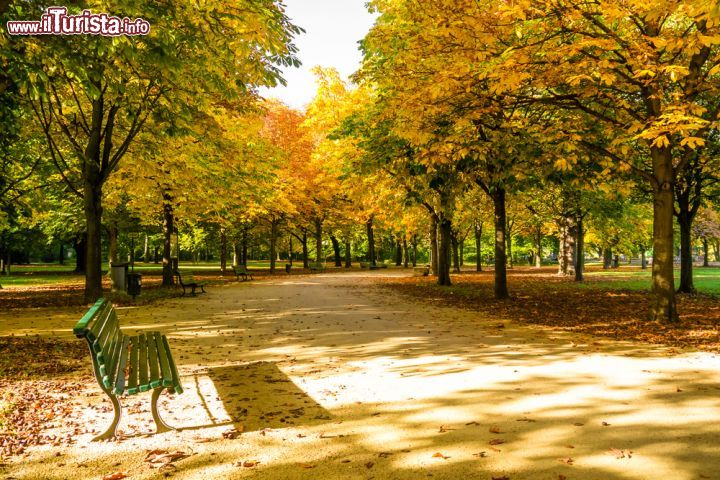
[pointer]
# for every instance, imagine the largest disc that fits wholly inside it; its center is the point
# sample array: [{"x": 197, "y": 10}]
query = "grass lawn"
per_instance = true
[{"x": 706, "y": 279}]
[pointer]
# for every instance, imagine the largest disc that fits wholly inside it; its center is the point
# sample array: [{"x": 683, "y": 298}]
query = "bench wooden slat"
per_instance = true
[
  {"x": 98, "y": 326},
  {"x": 163, "y": 358},
  {"x": 81, "y": 327},
  {"x": 111, "y": 325},
  {"x": 120, "y": 376},
  {"x": 173, "y": 368},
  {"x": 153, "y": 362},
  {"x": 132, "y": 382},
  {"x": 143, "y": 365},
  {"x": 113, "y": 356}
]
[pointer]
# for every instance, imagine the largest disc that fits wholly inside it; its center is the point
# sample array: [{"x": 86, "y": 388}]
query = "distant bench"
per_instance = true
[
  {"x": 127, "y": 365},
  {"x": 242, "y": 271},
  {"x": 421, "y": 271},
  {"x": 189, "y": 282}
]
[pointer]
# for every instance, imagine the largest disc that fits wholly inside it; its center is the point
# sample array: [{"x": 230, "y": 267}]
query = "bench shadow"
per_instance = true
[{"x": 256, "y": 396}]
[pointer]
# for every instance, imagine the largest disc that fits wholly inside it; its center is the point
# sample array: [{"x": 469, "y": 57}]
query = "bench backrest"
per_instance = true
[
  {"x": 240, "y": 269},
  {"x": 100, "y": 327}
]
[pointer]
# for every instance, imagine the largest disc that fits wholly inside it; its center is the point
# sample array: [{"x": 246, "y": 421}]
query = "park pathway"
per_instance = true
[{"x": 332, "y": 376}]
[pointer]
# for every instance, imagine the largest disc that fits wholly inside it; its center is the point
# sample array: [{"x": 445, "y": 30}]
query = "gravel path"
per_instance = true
[{"x": 328, "y": 376}]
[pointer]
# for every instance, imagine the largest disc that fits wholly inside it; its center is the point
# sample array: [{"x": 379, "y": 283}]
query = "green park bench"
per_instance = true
[
  {"x": 242, "y": 271},
  {"x": 126, "y": 364},
  {"x": 189, "y": 282},
  {"x": 317, "y": 267}
]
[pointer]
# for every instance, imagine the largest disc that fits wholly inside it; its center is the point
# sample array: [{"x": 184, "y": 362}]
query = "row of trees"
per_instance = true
[
  {"x": 582, "y": 130},
  {"x": 588, "y": 102}
]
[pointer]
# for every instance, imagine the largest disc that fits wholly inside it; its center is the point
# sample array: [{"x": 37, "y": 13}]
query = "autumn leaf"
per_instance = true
[
  {"x": 440, "y": 455},
  {"x": 115, "y": 476},
  {"x": 233, "y": 433},
  {"x": 306, "y": 465},
  {"x": 497, "y": 441},
  {"x": 494, "y": 429},
  {"x": 568, "y": 461}
]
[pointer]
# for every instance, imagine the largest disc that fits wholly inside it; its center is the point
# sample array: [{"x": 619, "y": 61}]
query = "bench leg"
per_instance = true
[
  {"x": 110, "y": 432},
  {"x": 161, "y": 426},
  {"x": 202, "y": 288}
]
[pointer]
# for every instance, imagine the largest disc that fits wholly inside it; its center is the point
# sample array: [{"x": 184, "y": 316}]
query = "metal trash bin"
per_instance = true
[
  {"x": 134, "y": 284},
  {"x": 118, "y": 276}
]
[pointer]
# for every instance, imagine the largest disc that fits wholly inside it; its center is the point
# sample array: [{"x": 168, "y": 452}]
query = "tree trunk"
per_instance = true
[
  {"x": 319, "y": 257},
  {"x": 168, "y": 228},
  {"x": 336, "y": 251},
  {"x": 686, "y": 263},
  {"x": 706, "y": 252},
  {"x": 93, "y": 252},
  {"x": 455, "y": 252},
  {"x": 156, "y": 256},
  {"x": 273, "y": 244},
  {"x": 244, "y": 246},
  {"x": 501, "y": 289},
  {"x": 62, "y": 253},
  {"x": 478, "y": 246},
  {"x": 290, "y": 249},
  {"x": 462, "y": 252},
  {"x": 616, "y": 261},
  {"x": 398, "y": 253},
  {"x": 717, "y": 250},
  {"x": 443, "y": 257},
  {"x": 538, "y": 247},
  {"x": 580, "y": 251},
  {"x": 79, "y": 247},
  {"x": 406, "y": 253},
  {"x": 664, "y": 308},
  {"x": 508, "y": 239},
  {"x": 146, "y": 250},
  {"x": 223, "y": 251},
  {"x": 414, "y": 254},
  {"x": 371, "y": 242},
  {"x": 348, "y": 254},
  {"x": 607, "y": 258},
  {"x": 643, "y": 260},
  {"x": 113, "y": 244},
  {"x": 434, "y": 245},
  {"x": 306, "y": 260},
  {"x": 568, "y": 234}
]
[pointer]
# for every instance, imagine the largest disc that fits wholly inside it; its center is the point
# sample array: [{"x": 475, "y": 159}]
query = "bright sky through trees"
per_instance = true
[{"x": 332, "y": 31}]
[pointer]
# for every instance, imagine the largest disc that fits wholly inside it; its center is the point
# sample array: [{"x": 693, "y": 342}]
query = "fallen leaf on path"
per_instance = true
[
  {"x": 494, "y": 429},
  {"x": 567, "y": 460},
  {"x": 159, "y": 458},
  {"x": 444, "y": 429},
  {"x": 621, "y": 453},
  {"x": 561, "y": 477},
  {"x": 472, "y": 423},
  {"x": 384, "y": 454},
  {"x": 501, "y": 478},
  {"x": 578, "y": 424},
  {"x": 440, "y": 455},
  {"x": 114, "y": 476},
  {"x": 233, "y": 433},
  {"x": 306, "y": 465},
  {"x": 497, "y": 441},
  {"x": 605, "y": 424},
  {"x": 480, "y": 454},
  {"x": 495, "y": 449}
]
